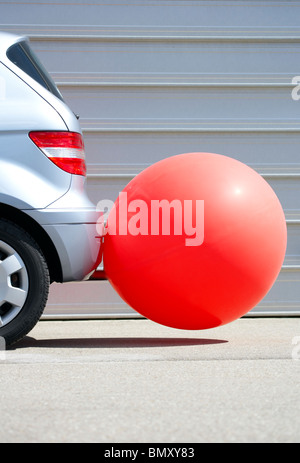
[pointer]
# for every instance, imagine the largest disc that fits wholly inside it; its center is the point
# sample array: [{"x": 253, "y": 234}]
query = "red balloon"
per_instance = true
[{"x": 195, "y": 241}]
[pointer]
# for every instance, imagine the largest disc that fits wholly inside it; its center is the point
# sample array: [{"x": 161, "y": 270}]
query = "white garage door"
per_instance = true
[{"x": 151, "y": 79}]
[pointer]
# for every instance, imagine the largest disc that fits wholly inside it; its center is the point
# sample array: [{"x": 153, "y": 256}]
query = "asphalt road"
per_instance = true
[{"x": 122, "y": 381}]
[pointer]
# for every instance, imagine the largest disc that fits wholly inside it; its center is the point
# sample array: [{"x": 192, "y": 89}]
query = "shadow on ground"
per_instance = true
[{"x": 90, "y": 343}]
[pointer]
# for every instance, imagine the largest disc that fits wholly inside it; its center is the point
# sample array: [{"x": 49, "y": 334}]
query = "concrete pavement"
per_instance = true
[{"x": 135, "y": 381}]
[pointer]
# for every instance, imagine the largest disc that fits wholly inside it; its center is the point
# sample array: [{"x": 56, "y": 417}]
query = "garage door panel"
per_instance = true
[
  {"x": 167, "y": 57},
  {"x": 195, "y": 106},
  {"x": 109, "y": 151},
  {"x": 293, "y": 244},
  {"x": 177, "y": 13}
]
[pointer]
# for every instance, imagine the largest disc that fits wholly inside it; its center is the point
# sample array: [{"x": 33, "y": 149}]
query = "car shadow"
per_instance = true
[{"x": 113, "y": 343}]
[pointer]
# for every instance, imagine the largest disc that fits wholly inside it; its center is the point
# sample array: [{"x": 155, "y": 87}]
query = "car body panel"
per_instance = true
[{"x": 81, "y": 255}]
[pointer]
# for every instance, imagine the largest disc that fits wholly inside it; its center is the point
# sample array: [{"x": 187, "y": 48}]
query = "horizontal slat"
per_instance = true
[
  {"x": 99, "y": 32},
  {"x": 168, "y": 57},
  {"x": 188, "y": 130},
  {"x": 165, "y": 38},
  {"x": 129, "y": 153},
  {"x": 180, "y": 79},
  {"x": 162, "y": 13},
  {"x": 64, "y": 85},
  {"x": 129, "y": 176},
  {"x": 190, "y": 107}
]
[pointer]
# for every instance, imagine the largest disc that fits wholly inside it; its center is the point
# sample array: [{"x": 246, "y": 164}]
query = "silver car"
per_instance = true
[{"x": 47, "y": 223}]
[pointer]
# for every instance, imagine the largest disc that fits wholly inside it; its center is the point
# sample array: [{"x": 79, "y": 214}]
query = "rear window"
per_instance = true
[{"x": 22, "y": 56}]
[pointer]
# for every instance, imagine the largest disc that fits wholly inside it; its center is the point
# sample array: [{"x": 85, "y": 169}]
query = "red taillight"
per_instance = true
[{"x": 65, "y": 149}]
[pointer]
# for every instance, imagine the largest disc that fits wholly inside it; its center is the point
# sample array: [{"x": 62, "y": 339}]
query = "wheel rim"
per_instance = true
[{"x": 14, "y": 283}]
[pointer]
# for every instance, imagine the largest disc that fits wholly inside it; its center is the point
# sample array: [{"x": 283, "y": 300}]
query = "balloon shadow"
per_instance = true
[{"x": 113, "y": 343}]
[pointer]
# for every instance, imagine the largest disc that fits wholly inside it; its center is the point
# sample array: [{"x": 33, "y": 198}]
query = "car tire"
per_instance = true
[{"x": 24, "y": 282}]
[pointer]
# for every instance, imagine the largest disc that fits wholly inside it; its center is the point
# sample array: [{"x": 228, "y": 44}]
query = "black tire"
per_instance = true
[{"x": 24, "y": 282}]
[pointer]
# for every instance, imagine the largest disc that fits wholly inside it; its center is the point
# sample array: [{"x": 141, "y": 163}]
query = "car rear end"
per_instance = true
[
  {"x": 43, "y": 159},
  {"x": 48, "y": 225}
]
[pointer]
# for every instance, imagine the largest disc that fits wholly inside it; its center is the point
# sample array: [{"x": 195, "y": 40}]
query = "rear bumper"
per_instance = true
[
  {"x": 79, "y": 247},
  {"x": 71, "y": 223}
]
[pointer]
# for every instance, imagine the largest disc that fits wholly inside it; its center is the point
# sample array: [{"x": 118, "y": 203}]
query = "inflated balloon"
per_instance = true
[{"x": 195, "y": 241}]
